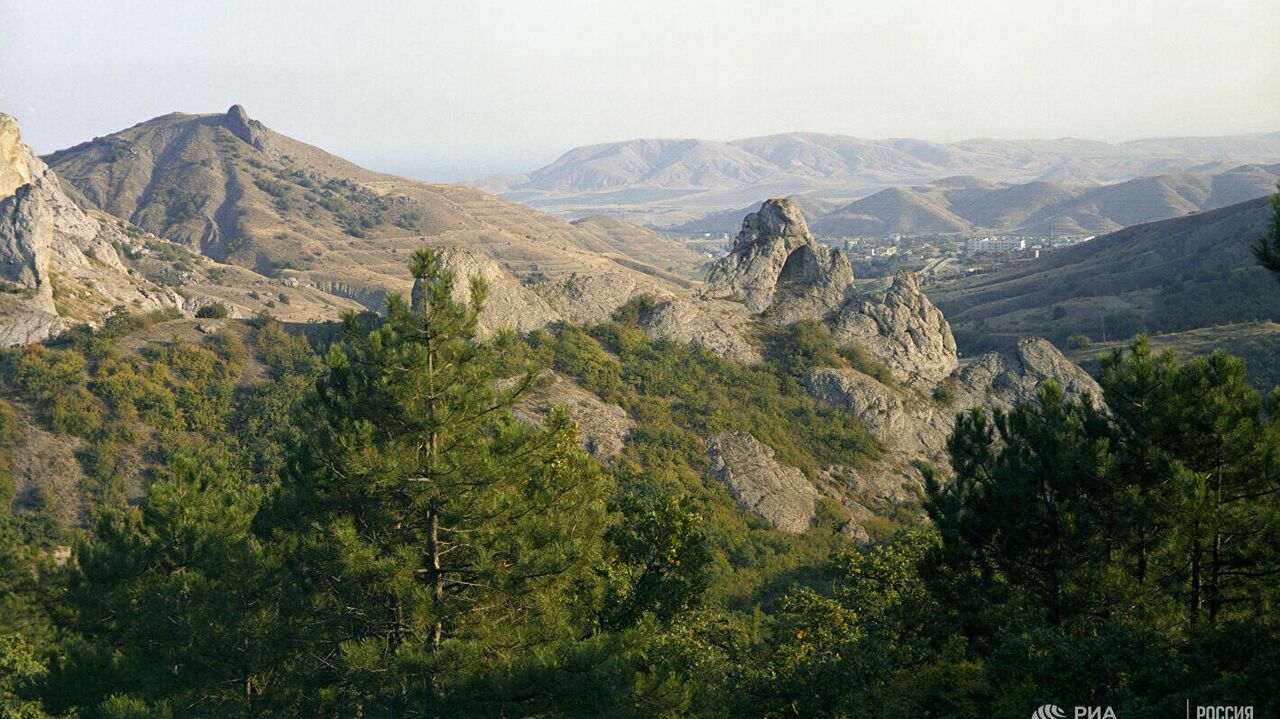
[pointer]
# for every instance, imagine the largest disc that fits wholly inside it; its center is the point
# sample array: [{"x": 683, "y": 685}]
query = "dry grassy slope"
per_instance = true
[
  {"x": 617, "y": 237},
  {"x": 243, "y": 194},
  {"x": 44, "y": 460},
  {"x": 1170, "y": 273}
]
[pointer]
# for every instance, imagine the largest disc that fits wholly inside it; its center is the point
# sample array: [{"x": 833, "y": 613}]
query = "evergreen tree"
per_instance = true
[
  {"x": 427, "y": 533},
  {"x": 1267, "y": 248}
]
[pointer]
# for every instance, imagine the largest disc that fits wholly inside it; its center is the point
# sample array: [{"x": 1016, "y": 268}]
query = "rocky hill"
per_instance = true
[
  {"x": 1172, "y": 275},
  {"x": 233, "y": 190},
  {"x": 670, "y": 182},
  {"x": 906, "y": 389}
]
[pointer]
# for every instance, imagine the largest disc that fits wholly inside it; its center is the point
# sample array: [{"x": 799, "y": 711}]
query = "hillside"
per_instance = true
[
  {"x": 232, "y": 189},
  {"x": 647, "y": 246},
  {"x": 671, "y": 182},
  {"x": 1172, "y": 275}
]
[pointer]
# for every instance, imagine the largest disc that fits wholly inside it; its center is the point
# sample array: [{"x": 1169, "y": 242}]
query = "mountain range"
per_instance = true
[
  {"x": 667, "y": 182},
  {"x": 968, "y": 205}
]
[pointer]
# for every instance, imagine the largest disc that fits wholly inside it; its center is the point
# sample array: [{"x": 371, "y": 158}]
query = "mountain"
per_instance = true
[
  {"x": 1172, "y": 275},
  {"x": 669, "y": 182},
  {"x": 62, "y": 264},
  {"x": 231, "y": 189}
]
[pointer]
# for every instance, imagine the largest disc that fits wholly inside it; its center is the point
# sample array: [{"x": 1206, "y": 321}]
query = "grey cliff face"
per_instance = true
[
  {"x": 42, "y": 233},
  {"x": 26, "y": 243},
  {"x": 777, "y": 267}
]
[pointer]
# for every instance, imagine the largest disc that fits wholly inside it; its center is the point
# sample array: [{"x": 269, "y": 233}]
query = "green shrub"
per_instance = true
[{"x": 216, "y": 310}]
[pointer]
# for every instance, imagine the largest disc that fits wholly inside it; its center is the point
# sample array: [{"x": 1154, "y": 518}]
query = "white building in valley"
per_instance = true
[{"x": 979, "y": 245}]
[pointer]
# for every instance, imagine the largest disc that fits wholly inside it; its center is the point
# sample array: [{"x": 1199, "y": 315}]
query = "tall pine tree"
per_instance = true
[{"x": 428, "y": 533}]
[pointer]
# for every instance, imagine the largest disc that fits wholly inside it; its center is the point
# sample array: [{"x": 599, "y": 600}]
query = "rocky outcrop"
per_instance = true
[
  {"x": 912, "y": 427},
  {"x": 592, "y": 298},
  {"x": 717, "y": 326},
  {"x": 46, "y": 239},
  {"x": 251, "y": 131},
  {"x": 778, "y": 494},
  {"x": 1005, "y": 379},
  {"x": 603, "y": 428},
  {"x": 901, "y": 328},
  {"x": 508, "y": 303},
  {"x": 18, "y": 165},
  {"x": 777, "y": 268},
  {"x": 901, "y": 420}
]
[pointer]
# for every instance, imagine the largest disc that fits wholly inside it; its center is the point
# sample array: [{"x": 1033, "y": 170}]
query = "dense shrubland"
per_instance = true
[{"x": 362, "y": 529}]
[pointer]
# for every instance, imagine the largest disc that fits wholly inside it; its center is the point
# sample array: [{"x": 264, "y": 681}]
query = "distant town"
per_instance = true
[{"x": 931, "y": 257}]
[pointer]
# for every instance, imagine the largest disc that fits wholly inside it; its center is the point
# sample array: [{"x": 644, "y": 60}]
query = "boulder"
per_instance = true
[{"x": 776, "y": 493}]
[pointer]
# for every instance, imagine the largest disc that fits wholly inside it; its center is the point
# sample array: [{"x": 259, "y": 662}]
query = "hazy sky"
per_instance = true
[{"x": 451, "y": 90}]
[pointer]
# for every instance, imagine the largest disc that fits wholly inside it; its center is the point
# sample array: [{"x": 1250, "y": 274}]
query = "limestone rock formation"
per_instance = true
[
  {"x": 717, "y": 326},
  {"x": 591, "y": 298},
  {"x": 777, "y": 267},
  {"x": 901, "y": 420},
  {"x": 47, "y": 240},
  {"x": 912, "y": 427},
  {"x": 251, "y": 131},
  {"x": 760, "y": 484},
  {"x": 901, "y": 328},
  {"x": 508, "y": 303}
]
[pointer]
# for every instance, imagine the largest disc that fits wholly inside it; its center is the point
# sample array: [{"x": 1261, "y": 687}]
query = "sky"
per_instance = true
[{"x": 456, "y": 90}]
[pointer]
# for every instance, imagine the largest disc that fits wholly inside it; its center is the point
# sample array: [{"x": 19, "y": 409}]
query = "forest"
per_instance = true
[{"x": 360, "y": 527}]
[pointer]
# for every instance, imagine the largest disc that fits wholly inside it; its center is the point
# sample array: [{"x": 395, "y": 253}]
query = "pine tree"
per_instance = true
[
  {"x": 1267, "y": 248},
  {"x": 421, "y": 522}
]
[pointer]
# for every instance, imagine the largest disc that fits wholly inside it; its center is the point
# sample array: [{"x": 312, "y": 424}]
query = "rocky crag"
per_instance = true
[
  {"x": 58, "y": 265},
  {"x": 779, "y": 274}
]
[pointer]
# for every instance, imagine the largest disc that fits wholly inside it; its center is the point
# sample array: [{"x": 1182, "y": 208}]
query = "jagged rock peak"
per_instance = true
[
  {"x": 251, "y": 131},
  {"x": 777, "y": 217},
  {"x": 777, "y": 266},
  {"x": 18, "y": 165}
]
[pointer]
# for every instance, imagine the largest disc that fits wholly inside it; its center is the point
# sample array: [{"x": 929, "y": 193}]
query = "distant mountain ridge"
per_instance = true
[
  {"x": 969, "y": 205},
  {"x": 672, "y": 181}
]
